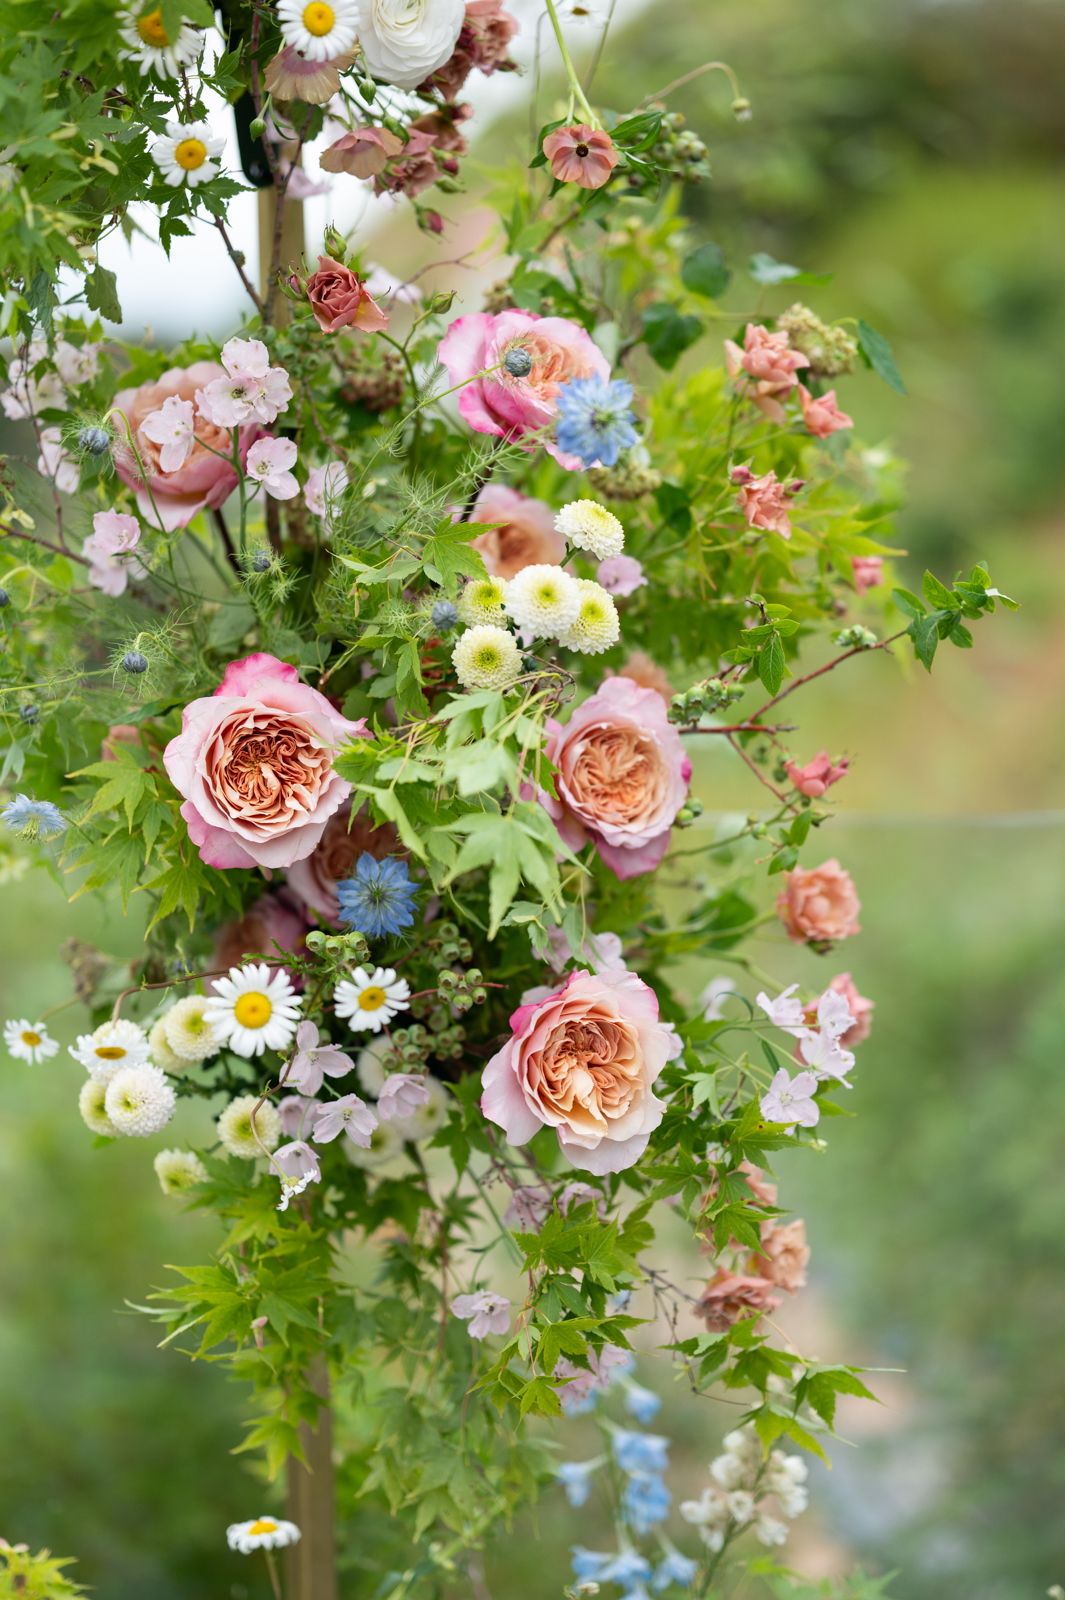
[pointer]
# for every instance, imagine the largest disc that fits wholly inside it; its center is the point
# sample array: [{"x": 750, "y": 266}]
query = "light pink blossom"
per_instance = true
[
  {"x": 364, "y": 152},
  {"x": 581, "y": 155},
  {"x": 312, "y": 1061},
  {"x": 299, "y": 1164},
  {"x": 767, "y": 366},
  {"x": 817, "y": 775},
  {"x": 108, "y": 549},
  {"x": 824, "y": 1057},
  {"x": 252, "y": 390},
  {"x": 596, "y": 1376},
  {"x": 513, "y": 407},
  {"x": 527, "y": 1209},
  {"x": 582, "y": 1194},
  {"x": 583, "y": 1061},
  {"x": 348, "y": 1115},
  {"x": 868, "y": 573},
  {"x": 620, "y": 575},
  {"x": 600, "y": 951},
  {"x": 324, "y": 487},
  {"x": 296, "y": 1113},
  {"x": 764, "y": 502},
  {"x": 821, "y": 414},
  {"x": 786, "y": 1011},
  {"x": 172, "y": 428},
  {"x": 268, "y": 463},
  {"x": 401, "y": 1095},
  {"x": 486, "y": 1312},
  {"x": 57, "y": 463},
  {"x": 859, "y": 1008},
  {"x": 791, "y": 1100},
  {"x": 819, "y": 904}
]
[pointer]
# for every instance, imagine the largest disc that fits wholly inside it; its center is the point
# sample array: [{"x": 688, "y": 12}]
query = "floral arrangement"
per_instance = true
[{"x": 372, "y": 653}]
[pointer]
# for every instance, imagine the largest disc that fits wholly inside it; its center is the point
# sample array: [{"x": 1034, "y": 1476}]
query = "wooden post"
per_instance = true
[
  {"x": 293, "y": 245},
  {"x": 311, "y": 1564}
]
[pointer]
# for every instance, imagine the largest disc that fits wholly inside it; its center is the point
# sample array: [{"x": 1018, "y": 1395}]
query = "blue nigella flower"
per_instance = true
[
  {"x": 34, "y": 819},
  {"x": 646, "y": 1501},
  {"x": 641, "y": 1452},
  {"x": 445, "y": 615},
  {"x": 379, "y": 898},
  {"x": 674, "y": 1569},
  {"x": 594, "y": 420},
  {"x": 587, "y": 1563},
  {"x": 641, "y": 1403},
  {"x": 576, "y": 1479},
  {"x": 627, "y": 1568}
]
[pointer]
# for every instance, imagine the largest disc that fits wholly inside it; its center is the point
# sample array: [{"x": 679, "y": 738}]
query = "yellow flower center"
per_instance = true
[
  {"x": 31, "y": 1038},
  {"x": 150, "y": 27},
  {"x": 263, "y": 1525},
  {"x": 253, "y": 1011},
  {"x": 190, "y": 154},
  {"x": 372, "y": 999},
  {"x": 318, "y": 18},
  {"x": 109, "y": 1052},
  {"x": 488, "y": 658},
  {"x": 194, "y": 1024}
]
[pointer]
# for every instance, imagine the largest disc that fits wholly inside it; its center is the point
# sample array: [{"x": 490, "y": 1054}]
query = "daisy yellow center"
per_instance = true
[
  {"x": 150, "y": 27},
  {"x": 318, "y": 18},
  {"x": 31, "y": 1038},
  {"x": 263, "y": 1525},
  {"x": 253, "y": 1011},
  {"x": 372, "y": 999},
  {"x": 110, "y": 1052},
  {"x": 190, "y": 154}
]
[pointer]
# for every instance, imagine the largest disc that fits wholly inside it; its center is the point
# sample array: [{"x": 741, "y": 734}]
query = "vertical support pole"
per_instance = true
[
  {"x": 293, "y": 244},
  {"x": 311, "y": 1564}
]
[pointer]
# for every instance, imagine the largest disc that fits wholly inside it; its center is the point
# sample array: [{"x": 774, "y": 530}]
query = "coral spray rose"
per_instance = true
[
  {"x": 818, "y": 775},
  {"x": 821, "y": 414},
  {"x": 339, "y": 300},
  {"x": 581, "y": 155},
  {"x": 526, "y": 537},
  {"x": 583, "y": 1061},
  {"x": 254, "y": 762},
  {"x": 765, "y": 368},
  {"x": 819, "y": 906}
]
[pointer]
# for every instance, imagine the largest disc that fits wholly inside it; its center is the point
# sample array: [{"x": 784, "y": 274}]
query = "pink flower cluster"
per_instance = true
[
  {"x": 109, "y": 551},
  {"x": 483, "y": 43},
  {"x": 765, "y": 369},
  {"x": 825, "y": 1031}
]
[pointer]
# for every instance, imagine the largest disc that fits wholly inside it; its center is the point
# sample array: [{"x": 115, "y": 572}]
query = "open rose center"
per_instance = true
[
  {"x": 619, "y": 776},
  {"x": 552, "y": 365},
  {"x": 589, "y": 1072},
  {"x": 267, "y": 770}
]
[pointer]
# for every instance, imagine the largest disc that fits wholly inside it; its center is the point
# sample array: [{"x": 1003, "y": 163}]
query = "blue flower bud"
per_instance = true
[
  {"x": 261, "y": 561},
  {"x": 28, "y": 714},
  {"x": 518, "y": 362},
  {"x": 5, "y": 599},
  {"x": 133, "y": 661},
  {"x": 95, "y": 441},
  {"x": 445, "y": 614}
]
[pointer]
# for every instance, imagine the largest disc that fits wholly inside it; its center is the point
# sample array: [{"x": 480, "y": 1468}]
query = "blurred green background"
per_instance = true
[{"x": 916, "y": 152}]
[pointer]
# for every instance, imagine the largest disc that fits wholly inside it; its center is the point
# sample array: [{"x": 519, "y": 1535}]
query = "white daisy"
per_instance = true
[
  {"x": 591, "y": 526},
  {"x": 28, "y": 1043},
  {"x": 254, "y": 1012},
  {"x": 93, "y": 1111},
  {"x": 427, "y": 1119},
  {"x": 483, "y": 600},
  {"x": 160, "y": 1050},
  {"x": 188, "y": 1033},
  {"x": 139, "y": 1101},
  {"x": 385, "y": 1144},
  {"x": 265, "y": 1533},
  {"x": 189, "y": 154},
  {"x": 486, "y": 658},
  {"x": 178, "y": 1170},
  {"x": 150, "y": 44},
  {"x": 597, "y": 626},
  {"x": 111, "y": 1047},
  {"x": 317, "y": 29},
  {"x": 544, "y": 601},
  {"x": 235, "y": 1130},
  {"x": 371, "y": 1000}
]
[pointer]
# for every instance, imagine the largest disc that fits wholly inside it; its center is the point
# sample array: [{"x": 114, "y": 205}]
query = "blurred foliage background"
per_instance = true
[{"x": 915, "y": 151}]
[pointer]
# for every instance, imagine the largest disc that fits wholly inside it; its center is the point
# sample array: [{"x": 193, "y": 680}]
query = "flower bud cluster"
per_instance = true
[
  {"x": 856, "y": 638},
  {"x": 710, "y": 695},
  {"x": 342, "y": 948},
  {"x": 372, "y": 379},
  {"x": 831, "y": 351},
  {"x": 688, "y": 812},
  {"x": 680, "y": 151},
  {"x": 631, "y": 477},
  {"x": 743, "y": 1481}
]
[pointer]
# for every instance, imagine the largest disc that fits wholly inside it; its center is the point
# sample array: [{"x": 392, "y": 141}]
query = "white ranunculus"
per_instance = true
[{"x": 405, "y": 40}]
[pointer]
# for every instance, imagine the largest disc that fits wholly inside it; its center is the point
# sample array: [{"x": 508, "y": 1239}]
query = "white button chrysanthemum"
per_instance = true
[
  {"x": 597, "y": 625},
  {"x": 483, "y": 601},
  {"x": 235, "y": 1130},
  {"x": 385, "y": 1144},
  {"x": 93, "y": 1111},
  {"x": 369, "y": 1000},
  {"x": 253, "y": 1012},
  {"x": 371, "y": 1068},
  {"x": 265, "y": 1533},
  {"x": 486, "y": 658},
  {"x": 544, "y": 601},
  {"x": 591, "y": 526},
  {"x": 28, "y": 1042},
  {"x": 425, "y": 1120},
  {"x": 189, "y": 154},
  {"x": 111, "y": 1047},
  {"x": 160, "y": 1050},
  {"x": 151, "y": 46},
  {"x": 139, "y": 1101},
  {"x": 188, "y": 1033},
  {"x": 319, "y": 29},
  {"x": 406, "y": 40},
  {"x": 178, "y": 1170}
]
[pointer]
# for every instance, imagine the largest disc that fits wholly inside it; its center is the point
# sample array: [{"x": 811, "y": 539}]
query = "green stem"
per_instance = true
[{"x": 576, "y": 92}]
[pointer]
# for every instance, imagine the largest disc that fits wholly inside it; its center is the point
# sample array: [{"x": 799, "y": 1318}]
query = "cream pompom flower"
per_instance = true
[
  {"x": 591, "y": 526},
  {"x": 235, "y": 1129},
  {"x": 188, "y": 1033},
  {"x": 139, "y": 1101},
  {"x": 597, "y": 625},
  {"x": 483, "y": 601},
  {"x": 178, "y": 1170},
  {"x": 386, "y": 1143},
  {"x": 254, "y": 1012},
  {"x": 265, "y": 1533},
  {"x": 486, "y": 658},
  {"x": 319, "y": 29},
  {"x": 370, "y": 1065},
  {"x": 151, "y": 46},
  {"x": 544, "y": 601},
  {"x": 427, "y": 1119},
  {"x": 370, "y": 1000},
  {"x": 189, "y": 154},
  {"x": 160, "y": 1050},
  {"x": 93, "y": 1110},
  {"x": 113, "y": 1046},
  {"x": 29, "y": 1043}
]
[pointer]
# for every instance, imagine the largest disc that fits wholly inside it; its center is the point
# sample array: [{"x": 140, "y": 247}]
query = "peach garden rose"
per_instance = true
[{"x": 820, "y": 905}]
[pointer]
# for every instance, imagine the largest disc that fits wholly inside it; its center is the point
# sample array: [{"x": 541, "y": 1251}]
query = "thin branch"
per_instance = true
[
  {"x": 739, "y": 727},
  {"x": 309, "y": 397},
  {"x": 859, "y": 650},
  {"x": 760, "y": 776},
  {"x": 35, "y": 538},
  {"x": 237, "y": 258},
  {"x": 708, "y": 66}
]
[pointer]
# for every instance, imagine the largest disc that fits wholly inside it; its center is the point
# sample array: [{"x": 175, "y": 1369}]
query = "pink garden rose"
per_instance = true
[
  {"x": 818, "y": 775},
  {"x": 254, "y": 762},
  {"x": 868, "y": 573},
  {"x": 729, "y": 1298},
  {"x": 819, "y": 904},
  {"x": 512, "y": 407},
  {"x": 205, "y": 482},
  {"x": 821, "y": 414},
  {"x": 622, "y": 776},
  {"x": 272, "y": 919},
  {"x": 527, "y": 536},
  {"x": 339, "y": 300},
  {"x": 583, "y": 1061},
  {"x": 765, "y": 368}
]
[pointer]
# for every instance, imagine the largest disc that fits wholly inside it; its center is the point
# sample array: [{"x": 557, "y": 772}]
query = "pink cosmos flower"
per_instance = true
[
  {"x": 764, "y": 502},
  {"x": 251, "y": 390},
  {"x": 583, "y": 1061},
  {"x": 173, "y": 429},
  {"x": 486, "y": 1312},
  {"x": 268, "y": 463},
  {"x": 620, "y": 575},
  {"x": 769, "y": 367},
  {"x": 312, "y": 1061},
  {"x": 729, "y": 1298},
  {"x": 821, "y": 414},
  {"x": 860, "y": 1010},
  {"x": 622, "y": 776},
  {"x": 324, "y": 487},
  {"x": 340, "y": 300},
  {"x": 296, "y": 1113},
  {"x": 348, "y": 1115},
  {"x": 868, "y": 573},
  {"x": 527, "y": 536},
  {"x": 818, "y": 775},
  {"x": 401, "y": 1095},
  {"x": 512, "y": 407},
  {"x": 819, "y": 905},
  {"x": 364, "y": 153},
  {"x": 299, "y": 1165},
  {"x": 791, "y": 1100},
  {"x": 581, "y": 155},
  {"x": 108, "y": 549},
  {"x": 254, "y": 762}
]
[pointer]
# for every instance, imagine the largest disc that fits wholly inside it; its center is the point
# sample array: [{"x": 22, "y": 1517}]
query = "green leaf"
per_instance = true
[
  {"x": 668, "y": 334},
  {"x": 764, "y": 269},
  {"x": 938, "y": 597},
  {"x": 704, "y": 272},
  {"x": 908, "y": 602},
  {"x": 878, "y": 356},
  {"x": 772, "y": 668},
  {"x": 925, "y": 633},
  {"x": 230, "y": 623},
  {"x": 101, "y": 286}
]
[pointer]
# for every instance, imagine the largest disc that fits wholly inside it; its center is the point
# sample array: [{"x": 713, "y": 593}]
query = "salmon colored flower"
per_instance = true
[
  {"x": 784, "y": 1255},
  {"x": 819, "y": 905},
  {"x": 364, "y": 153},
  {"x": 821, "y": 414},
  {"x": 769, "y": 366},
  {"x": 581, "y": 155},
  {"x": 817, "y": 775},
  {"x": 414, "y": 169},
  {"x": 764, "y": 502},
  {"x": 526, "y": 537},
  {"x": 339, "y": 300},
  {"x": 729, "y": 1298},
  {"x": 868, "y": 573}
]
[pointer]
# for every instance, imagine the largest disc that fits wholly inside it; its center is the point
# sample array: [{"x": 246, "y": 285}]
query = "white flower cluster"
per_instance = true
[
  {"x": 125, "y": 1095},
  {"x": 743, "y": 1482}
]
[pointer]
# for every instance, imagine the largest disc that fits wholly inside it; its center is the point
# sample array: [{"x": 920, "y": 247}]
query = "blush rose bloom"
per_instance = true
[
  {"x": 868, "y": 573},
  {"x": 583, "y": 1061},
  {"x": 339, "y": 300},
  {"x": 819, "y": 905},
  {"x": 784, "y": 1255},
  {"x": 818, "y": 775},
  {"x": 268, "y": 921},
  {"x": 254, "y": 762},
  {"x": 821, "y": 414},
  {"x": 512, "y": 407},
  {"x": 764, "y": 501},
  {"x": 622, "y": 776},
  {"x": 205, "y": 482},
  {"x": 527, "y": 537},
  {"x": 729, "y": 1298}
]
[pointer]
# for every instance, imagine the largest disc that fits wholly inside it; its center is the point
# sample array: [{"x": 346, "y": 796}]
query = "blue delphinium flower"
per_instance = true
[
  {"x": 34, "y": 819},
  {"x": 674, "y": 1569},
  {"x": 628, "y": 1567},
  {"x": 588, "y": 1563},
  {"x": 594, "y": 420},
  {"x": 379, "y": 898},
  {"x": 641, "y": 1452},
  {"x": 641, "y": 1403},
  {"x": 646, "y": 1501},
  {"x": 576, "y": 1478}
]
